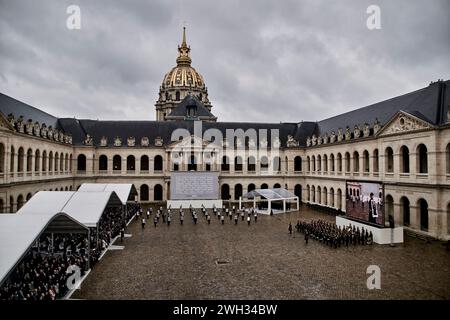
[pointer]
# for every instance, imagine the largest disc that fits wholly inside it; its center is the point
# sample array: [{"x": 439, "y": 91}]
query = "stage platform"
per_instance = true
[
  {"x": 380, "y": 235},
  {"x": 197, "y": 203}
]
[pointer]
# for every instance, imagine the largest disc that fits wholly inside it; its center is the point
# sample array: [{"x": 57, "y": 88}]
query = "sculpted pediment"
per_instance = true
[{"x": 404, "y": 122}]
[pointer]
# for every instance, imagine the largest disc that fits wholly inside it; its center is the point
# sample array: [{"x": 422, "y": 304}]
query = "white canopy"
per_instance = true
[
  {"x": 18, "y": 232},
  {"x": 271, "y": 195},
  {"x": 124, "y": 191},
  {"x": 86, "y": 207}
]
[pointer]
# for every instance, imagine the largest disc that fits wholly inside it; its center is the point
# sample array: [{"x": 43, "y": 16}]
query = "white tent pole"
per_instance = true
[
  {"x": 240, "y": 203},
  {"x": 284, "y": 205},
  {"x": 269, "y": 206},
  {"x": 298, "y": 204}
]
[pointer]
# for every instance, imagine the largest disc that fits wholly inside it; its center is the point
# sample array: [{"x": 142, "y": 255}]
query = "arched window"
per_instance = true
[
  {"x": 61, "y": 163},
  {"x": 325, "y": 196},
  {"x": 347, "y": 162},
  {"x": 28, "y": 196},
  {"x": 50, "y": 161},
  {"x": 308, "y": 193},
  {"x": 298, "y": 163},
  {"x": 44, "y": 161},
  {"x": 389, "y": 205},
  {"x": 313, "y": 162},
  {"x": 264, "y": 164},
  {"x": 339, "y": 162},
  {"x": 376, "y": 166},
  {"x": 37, "y": 160},
  {"x": 422, "y": 159},
  {"x": 339, "y": 199},
  {"x": 355, "y": 161},
  {"x": 331, "y": 197},
  {"x": 276, "y": 185},
  {"x": 158, "y": 192},
  {"x": 81, "y": 162},
  {"x": 103, "y": 163},
  {"x": 225, "y": 164},
  {"x": 70, "y": 162},
  {"x": 11, "y": 204},
  {"x": 276, "y": 164},
  {"x": 423, "y": 213},
  {"x": 319, "y": 163},
  {"x": 264, "y": 186},
  {"x": 389, "y": 155},
  {"x": 404, "y": 161},
  {"x": 238, "y": 163},
  {"x": 447, "y": 159},
  {"x": 177, "y": 96},
  {"x": 325, "y": 163},
  {"x": 237, "y": 191},
  {"x": 251, "y": 164},
  {"x": 55, "y": 167},
  {"x": 313, "y": 194},
  {"x": 225, "y": 192},
  {"x": 366, "y": 163},
  {"x": 29, "y": 160},
  {"x": 2, "y": 159},
  {"x": 131, "y": 163},
  {"x": 145, "y": 163},
  {"x": 117, "y": 163},
  {"x": 298, "y": 191},
  {"x": 405, "y": 210},
  {"x": 143, "y": 192},
  {"x": 158, "y": 165},
  {"x": 2, "y": 206},
  {"x": 332, "y": 166},
  {"x": 11, "y": 162},
  {"x": 19, "y": 202},
  {"x": 20, "y": 159},
  {"x": 308, "y": 164},
  {"x": 251, "y": 187}
]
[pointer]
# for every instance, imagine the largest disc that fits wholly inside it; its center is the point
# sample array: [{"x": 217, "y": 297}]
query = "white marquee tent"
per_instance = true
[
  {"x": 18, "y": 232},
  {"x": 85, "y": 207},
  {"x": 125, "y": 191},
  {"x": 271, "y": 195}
]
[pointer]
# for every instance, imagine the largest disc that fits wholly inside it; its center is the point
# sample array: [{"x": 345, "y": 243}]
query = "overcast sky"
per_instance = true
[{"x": 265, "y": 61}]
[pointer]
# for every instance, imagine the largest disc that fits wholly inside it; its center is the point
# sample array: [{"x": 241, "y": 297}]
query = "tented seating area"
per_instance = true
[
  {"x": 55, "y": 230},
  {"x": 271, "y": 201}
]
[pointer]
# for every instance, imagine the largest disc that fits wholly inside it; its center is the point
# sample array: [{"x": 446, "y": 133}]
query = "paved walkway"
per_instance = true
[{"x": 261, "y": 262}]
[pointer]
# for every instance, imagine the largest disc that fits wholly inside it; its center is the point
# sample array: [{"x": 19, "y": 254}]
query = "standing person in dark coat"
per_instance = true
[
  {"x": 122, "y": 234},
  {"x": 155, "y": 221},
  {"x": 306, "y": 237},
  {"x": 143, "y": 223},
  {"x": 235, "y": 218},
  {"x": 168, "y": 220},
  {"x": 222, "y": 219},
  {"x": 248, "y": 220},
  {"x": 208, "y": 218},
  {"x": 290, "y": 228},
  {"x": 242, "y": 215}
]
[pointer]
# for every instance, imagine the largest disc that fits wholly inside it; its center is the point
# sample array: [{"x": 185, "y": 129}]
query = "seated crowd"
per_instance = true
[
  {"x": 43, "y": 272},
  {"x": 334, "y": 236}
]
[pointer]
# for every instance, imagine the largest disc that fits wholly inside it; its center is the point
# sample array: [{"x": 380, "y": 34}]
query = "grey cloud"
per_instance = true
[{"x": 262, "y": 60}]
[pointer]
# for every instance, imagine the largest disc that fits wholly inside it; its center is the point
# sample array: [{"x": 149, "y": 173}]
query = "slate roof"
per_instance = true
[
  {"x": 18, "y": 108},
  {"x": 190, "y": 101},
  {"x": 428, "y": 103}
]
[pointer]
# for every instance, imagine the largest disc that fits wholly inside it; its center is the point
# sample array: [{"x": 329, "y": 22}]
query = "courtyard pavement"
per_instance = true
[{"x": 261, "y": 262}]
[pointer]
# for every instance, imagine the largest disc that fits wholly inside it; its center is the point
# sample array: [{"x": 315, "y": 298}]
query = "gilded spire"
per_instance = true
[{"x": 183, "y": 56}]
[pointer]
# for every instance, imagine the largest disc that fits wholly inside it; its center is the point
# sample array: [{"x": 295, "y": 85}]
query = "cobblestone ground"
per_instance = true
[{"x": 265, "y": 262}]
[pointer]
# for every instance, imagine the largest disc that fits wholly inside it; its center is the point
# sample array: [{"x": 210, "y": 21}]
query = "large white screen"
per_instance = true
[{"x": 194, "y": 185}]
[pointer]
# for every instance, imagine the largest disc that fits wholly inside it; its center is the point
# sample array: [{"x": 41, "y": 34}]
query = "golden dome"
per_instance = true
[{"x": 183, "y": 75}]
